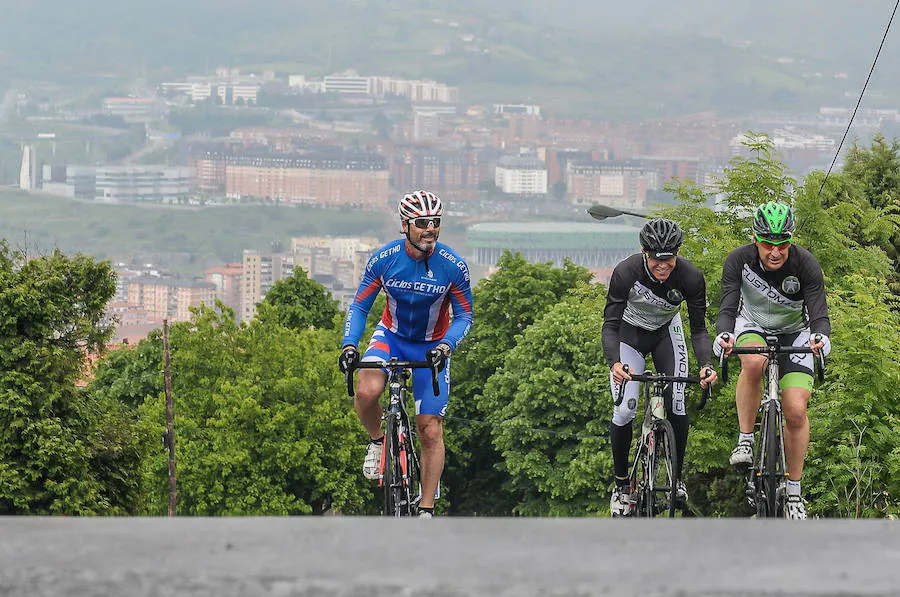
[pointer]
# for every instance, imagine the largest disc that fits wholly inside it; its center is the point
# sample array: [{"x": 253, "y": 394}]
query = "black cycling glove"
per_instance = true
[
  {"x": 348, "y": 359},
  {"x": 438, "y": 356}
]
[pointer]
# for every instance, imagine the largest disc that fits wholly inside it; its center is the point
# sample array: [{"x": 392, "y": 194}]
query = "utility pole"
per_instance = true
[{"x": 170, "y": 419}]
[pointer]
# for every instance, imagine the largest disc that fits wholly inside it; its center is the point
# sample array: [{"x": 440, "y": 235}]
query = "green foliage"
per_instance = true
[
  {"x": 262, "y": 425},
  {"x": 877, "y": 171},
  {"x": 61, "y": 452},
  {"x": 550, "y": 407},
  {"x": 853, "y": 469},
  {"x": 297, "y": 302},
  {"x": 505, "y": 305}
]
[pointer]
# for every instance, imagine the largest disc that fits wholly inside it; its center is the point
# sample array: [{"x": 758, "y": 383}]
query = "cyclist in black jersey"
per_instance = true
[
  {"x": 772, "y": 288},
  {"x": 642, "y": 317}
]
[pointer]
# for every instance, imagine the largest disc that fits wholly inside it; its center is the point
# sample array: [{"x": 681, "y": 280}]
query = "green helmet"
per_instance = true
[{"x": 774, "y": 222}]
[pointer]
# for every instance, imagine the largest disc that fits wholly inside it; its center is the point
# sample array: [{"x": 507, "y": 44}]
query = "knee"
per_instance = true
[
  {"x": 623, "y": 416},
  {"x": 752, "y": 368},
  {"x": 431, "y": 433},
  {"x": 368, "y": 391},
  {"x": 795, "y": 416}
]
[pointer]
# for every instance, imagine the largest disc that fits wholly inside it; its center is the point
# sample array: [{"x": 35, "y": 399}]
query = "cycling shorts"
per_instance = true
[
  {"x": 795, "y": 370},
  {"x": 386, "y": 344}
]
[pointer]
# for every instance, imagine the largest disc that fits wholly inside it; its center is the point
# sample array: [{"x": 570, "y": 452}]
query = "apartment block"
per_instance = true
[
  {"x": 227, "y": 280},
  {"x": 358, "y": 181},
  {"x": 521, "y": 176},
  {"x": 169, "y": 298},
  {"x": 260, "y": 272},
  {"x": 619, "y": 184}
]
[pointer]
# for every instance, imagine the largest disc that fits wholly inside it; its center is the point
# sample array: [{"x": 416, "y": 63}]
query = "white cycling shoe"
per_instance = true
[
  {"x": 372, "y": 463},
  {"x": 796, "y": 508},
  {"x": 620, "y": 504},
  {"x": 742, "y": 454}
]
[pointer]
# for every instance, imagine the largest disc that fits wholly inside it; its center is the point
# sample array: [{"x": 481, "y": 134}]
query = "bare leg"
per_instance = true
[
  {"x": 371, "y": 385},
  {"x": 796, "y": 429},
  {"x": 748, "y": 394},
  {"x": 431, "y": 434}
]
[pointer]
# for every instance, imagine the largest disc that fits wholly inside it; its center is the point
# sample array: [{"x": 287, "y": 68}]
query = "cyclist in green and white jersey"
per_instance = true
[{"x": 772, "y": 288}]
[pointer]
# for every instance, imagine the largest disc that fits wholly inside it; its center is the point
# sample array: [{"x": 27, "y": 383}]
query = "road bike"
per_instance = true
[
  {"x": 652, "y": 480},
  {"x": 767, "y": 477},
  {"x": 399, "y": 469}
]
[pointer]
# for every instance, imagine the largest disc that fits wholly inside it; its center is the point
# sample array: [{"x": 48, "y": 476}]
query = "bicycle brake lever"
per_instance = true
[{"x": 434, "y": 381}]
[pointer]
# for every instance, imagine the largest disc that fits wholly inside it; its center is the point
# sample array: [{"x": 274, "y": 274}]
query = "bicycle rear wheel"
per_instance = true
[{"x": 665, "y": 459}]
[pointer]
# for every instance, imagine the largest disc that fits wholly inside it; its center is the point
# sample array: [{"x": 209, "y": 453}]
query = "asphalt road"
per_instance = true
[{"x": 374, "y": 557}]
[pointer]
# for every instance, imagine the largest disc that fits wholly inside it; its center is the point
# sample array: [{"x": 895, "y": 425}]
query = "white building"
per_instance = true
[
  {"x": 28, "y": 171},
  {"x": 521, "y": 176},
  {"x": 131, "y": 184},
  {"x": 348, "y": 83},
  {"x": 529, "y": 109}
]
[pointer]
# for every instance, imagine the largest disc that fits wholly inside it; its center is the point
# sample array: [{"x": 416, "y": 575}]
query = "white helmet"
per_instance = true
[{"x": 420, "y": 204}]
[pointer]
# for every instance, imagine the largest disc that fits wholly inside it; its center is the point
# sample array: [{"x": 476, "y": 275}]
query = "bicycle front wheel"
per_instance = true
[
  {"x": 664, "y": 469},
  {"x": 766, "y": 471},
  {"x": 391, "y": 481},
  {"x": 771, "y": 473},
  {"x": 411, "y": 476}
]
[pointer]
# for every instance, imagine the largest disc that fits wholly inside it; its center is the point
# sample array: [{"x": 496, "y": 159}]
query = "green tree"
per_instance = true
[
  {"x": 550, "y": 409},
  {"x": 877, "y": 171},
  {"x": 262, "y": 423},
  {"x": 299, "y": 302},
  {"x": 505, "y": 305},
  {"x": 61, "y": 452}
]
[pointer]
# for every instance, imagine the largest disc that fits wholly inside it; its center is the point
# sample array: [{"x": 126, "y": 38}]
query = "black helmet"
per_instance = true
[{"x": 661, "y": 238}]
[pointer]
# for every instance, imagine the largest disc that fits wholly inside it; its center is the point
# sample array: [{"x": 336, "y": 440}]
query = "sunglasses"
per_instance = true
[
  {"x": 775, "y": 240},
  {"x": 422, "y": 223}
]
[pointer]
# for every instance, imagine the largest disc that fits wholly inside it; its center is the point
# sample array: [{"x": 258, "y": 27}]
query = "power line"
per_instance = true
[{"x": 859, "y": 101}]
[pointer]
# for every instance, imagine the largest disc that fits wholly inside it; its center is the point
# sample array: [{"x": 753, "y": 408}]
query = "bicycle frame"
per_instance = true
[
  {"x": 655, "y": 430},
  {"x": 399, "y": 466},
  {"x": 767, "y": 476}
]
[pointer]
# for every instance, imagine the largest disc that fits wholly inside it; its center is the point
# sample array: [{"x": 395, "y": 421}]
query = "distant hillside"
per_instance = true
[
  {"x": 604, "y": 58},
  {"x": 184, "y": 239}
]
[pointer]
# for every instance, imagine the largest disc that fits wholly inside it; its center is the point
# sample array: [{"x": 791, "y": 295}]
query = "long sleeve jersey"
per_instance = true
[
  {"x": 637, "y": 298},
  {"x": 783, "y": 301},
  {"x": 420, "y": 295}
]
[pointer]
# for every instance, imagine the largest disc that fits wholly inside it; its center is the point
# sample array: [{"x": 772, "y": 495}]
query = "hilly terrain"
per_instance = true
[{"x": 605, "y": 59}]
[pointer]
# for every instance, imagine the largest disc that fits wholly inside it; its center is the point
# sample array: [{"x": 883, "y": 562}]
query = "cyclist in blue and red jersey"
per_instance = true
[{"x": 428, "y": 312}]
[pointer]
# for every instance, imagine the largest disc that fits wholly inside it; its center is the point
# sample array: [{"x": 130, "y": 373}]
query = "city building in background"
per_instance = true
[
  {"x": 260, "y": 272},
  {"x": 521, "y": 175},
  {"x": 227, "y": 280},
  {"x": 598, "y": 246}
]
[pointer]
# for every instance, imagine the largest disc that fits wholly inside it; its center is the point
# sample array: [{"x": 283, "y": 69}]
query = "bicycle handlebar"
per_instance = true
[
  {"x": 771, "y": 349},
  {"x": 394, "y": 364},
  {"x": 661, "y": 377}
]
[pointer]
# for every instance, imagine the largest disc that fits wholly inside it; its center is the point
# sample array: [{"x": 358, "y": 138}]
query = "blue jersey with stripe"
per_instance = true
[{"x": 420, "y": 299}]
